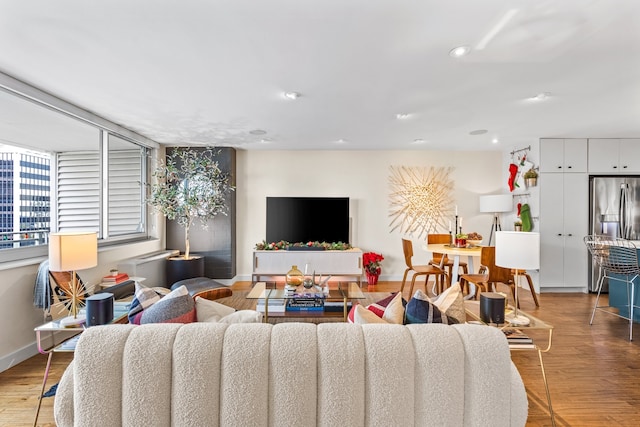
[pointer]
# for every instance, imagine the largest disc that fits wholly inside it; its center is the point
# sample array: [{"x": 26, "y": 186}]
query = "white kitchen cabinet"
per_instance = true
[
  {"x": 614, "y": 156},
  {"x": 335, "y": 263},
  {"x": 564, "y": 221},
  {"x": 563, "y": 155}
]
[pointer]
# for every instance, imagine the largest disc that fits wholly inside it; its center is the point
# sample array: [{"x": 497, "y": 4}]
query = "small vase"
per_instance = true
[
  {"x": 372, "y": 279},
  {"x": 294, "y": 276}
]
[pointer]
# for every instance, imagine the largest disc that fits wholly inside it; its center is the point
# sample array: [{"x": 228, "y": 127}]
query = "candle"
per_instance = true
[
  {"x": 449, "y": 226},
  {"x": 456, "y": 210},
  {"x": 460, "y": 223}
]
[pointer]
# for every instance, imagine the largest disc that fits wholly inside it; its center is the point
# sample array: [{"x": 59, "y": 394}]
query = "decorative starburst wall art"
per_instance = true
[{"x": 420, "y": 199}]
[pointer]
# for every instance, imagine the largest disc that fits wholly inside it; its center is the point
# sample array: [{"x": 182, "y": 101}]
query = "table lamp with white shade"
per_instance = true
[
  {"x": 496, "y": 204},
  {"x": 68, "y": 252},
  {"x": 517, "y": 250}
]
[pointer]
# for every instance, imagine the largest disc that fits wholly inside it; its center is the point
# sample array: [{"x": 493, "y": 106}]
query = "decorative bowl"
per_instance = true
[{"x": 474, "y": 242}]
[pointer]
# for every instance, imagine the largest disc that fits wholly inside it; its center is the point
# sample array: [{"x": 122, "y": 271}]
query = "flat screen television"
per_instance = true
[{"x": 308, "y": 219}]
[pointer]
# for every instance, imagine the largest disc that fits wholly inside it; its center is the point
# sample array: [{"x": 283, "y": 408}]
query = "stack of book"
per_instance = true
[
  {"x": 115, "y": 279},
  {"x": 518, "y": 339},
  {"x": 275, "y": 305},
  {"x": 308, "y": 301},
  {"x": 336, "y": 306}
]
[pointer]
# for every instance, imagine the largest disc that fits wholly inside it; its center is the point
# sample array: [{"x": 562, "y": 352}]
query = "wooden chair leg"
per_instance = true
[
  {"x": 413, "y": 282},
  {"x": 532, "y": 289},
  {"x": 404, "y": 279},
  {"x": 464, "y": 287}
]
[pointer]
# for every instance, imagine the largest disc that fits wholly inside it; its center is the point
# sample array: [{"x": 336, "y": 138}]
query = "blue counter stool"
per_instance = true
[{"x": 617, "y": 260}]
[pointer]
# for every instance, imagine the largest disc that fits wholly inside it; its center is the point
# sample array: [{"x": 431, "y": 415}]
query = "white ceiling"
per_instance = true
[{"x": 210, "y": 72}]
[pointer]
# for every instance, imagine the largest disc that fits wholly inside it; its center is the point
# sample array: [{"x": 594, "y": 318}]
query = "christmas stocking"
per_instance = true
[
  {"x": 519, "y": 208},
  {"x": 513, "y": 170},
  {"x": 525, "y": 216},
  {"x": 522, "y": 168}
]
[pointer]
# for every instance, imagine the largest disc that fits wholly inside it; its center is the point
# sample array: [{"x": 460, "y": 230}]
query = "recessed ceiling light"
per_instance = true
[
  {"x": 291, "y": 95},
  {"x": 478, "y": 132},
  {"x": 494, "y": 140},
  {"x": 265, "y": 141},
  {"x": 403, "y": 116},
  {"x": 341, "y": 141},
  {"x": 541, "y": 96},
  {"x": 459, "y": 52},
  {"x": 258, "y": 132},
  {"x": 419, "y": 141}
]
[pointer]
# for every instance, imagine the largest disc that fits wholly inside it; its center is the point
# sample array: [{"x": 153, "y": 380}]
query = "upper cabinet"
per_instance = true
[
  {"x": 612, "y": 156},
  {"x": 563, "y": 155}
]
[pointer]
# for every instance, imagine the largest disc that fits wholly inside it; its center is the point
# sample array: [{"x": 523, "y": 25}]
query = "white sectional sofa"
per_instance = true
[{"x": 291, "y": 374}]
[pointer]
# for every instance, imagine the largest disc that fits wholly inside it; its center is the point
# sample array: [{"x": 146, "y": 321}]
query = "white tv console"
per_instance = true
[{"x": 335, "y": 263}]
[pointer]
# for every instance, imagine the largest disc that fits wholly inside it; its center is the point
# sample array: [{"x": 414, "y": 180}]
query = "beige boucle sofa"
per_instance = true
[{"x": 291, "y": 374}]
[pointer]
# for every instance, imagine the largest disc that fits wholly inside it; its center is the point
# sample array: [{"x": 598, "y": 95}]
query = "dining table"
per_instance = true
[{"x": 454, "y": 252}]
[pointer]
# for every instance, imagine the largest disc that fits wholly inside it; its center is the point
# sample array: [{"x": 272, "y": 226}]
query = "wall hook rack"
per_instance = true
[{"x": 527, "y": 148}]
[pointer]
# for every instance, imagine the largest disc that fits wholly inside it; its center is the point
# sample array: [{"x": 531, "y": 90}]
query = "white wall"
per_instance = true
[{"x": 363, "y": 177}]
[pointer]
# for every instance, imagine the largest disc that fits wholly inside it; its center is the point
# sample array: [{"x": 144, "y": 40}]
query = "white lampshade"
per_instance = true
[
  {"x": 518, "y": 249},
  {"x": 496, "y": 203},
  {"x": 73, "y": 251}
]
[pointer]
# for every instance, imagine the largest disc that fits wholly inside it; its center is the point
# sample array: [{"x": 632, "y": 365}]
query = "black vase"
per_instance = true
[{"x": 178, "y": 268}]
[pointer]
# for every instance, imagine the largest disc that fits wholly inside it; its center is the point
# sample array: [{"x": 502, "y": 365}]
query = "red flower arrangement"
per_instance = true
[{"x": 372, "y": 263}]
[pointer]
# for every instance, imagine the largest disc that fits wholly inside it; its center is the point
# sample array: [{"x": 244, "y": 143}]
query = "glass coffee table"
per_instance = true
[
  {"x": 338, "y": 297},
  {"x": 472, "y": 309}
]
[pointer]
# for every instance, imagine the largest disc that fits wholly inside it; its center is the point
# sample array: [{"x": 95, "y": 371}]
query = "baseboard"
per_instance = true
[{"x": 12, "y": 359}]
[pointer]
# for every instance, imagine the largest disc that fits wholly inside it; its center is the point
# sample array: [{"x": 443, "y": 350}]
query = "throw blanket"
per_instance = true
[{"x": 42, "y": 297}]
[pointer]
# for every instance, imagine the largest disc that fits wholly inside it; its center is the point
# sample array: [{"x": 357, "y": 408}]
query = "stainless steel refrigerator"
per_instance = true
[{"x": 614, "y": 210}]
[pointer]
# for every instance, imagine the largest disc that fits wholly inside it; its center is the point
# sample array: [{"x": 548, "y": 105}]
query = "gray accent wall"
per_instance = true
[{"x": 218, "y": 241}]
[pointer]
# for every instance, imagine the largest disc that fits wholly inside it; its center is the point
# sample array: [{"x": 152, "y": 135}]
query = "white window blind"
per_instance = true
[
  {"x": 125, "y": 191},
  {"x": 78, "y": 191}
]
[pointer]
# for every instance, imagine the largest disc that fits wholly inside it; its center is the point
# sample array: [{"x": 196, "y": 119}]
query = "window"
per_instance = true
[{"x": 60, "y": 172}]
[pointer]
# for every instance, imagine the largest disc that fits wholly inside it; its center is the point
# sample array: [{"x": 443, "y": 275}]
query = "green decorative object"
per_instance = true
[{"x": 525, "y": 216}]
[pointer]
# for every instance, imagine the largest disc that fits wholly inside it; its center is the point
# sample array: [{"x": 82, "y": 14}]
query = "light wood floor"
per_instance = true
[{"x": 593, "y": 371}]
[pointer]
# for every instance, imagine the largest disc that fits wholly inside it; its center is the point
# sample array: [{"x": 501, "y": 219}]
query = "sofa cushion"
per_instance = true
[
  {"x": 242, "y": 316},
  {"x": 175, "y": 307},
  {"x": 421, "y": 310},
  {"x": 211, "y": 311}
]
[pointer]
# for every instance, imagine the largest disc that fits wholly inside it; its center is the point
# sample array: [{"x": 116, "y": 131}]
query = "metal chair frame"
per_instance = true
[{"x": 615, "y": 258}]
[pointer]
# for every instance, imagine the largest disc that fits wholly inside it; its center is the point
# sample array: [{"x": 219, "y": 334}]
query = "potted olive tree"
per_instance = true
[{"x": 189, "y": 185}]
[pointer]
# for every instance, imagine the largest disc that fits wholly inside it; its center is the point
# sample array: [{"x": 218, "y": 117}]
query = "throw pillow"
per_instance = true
[
  {"x": 394, "y": 313},
  {"x": 176, "y": 307},
  {"x": 379, "y": 307},
  {"x": 211, "y": 311},
  {"x": 243, "y": 316},
  {"x": 144, "y": 298},
  {"x": 451, "y": 303},
  {"x": 423, "y": 311},
  {"x": 362, "y": 316}
]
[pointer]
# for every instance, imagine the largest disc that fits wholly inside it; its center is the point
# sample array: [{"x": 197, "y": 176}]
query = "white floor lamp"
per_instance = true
[
  {"x": 518, "y": 250},
  {"x": 496, "y": 203}
]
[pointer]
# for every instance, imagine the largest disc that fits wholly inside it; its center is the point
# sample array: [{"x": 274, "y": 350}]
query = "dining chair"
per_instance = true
[
  {"x": 489, "y": 273},
  {"x": 437, "y": 258},
  {"x": 420, "y": 270},
  {"x": 523, "y": 273}
]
